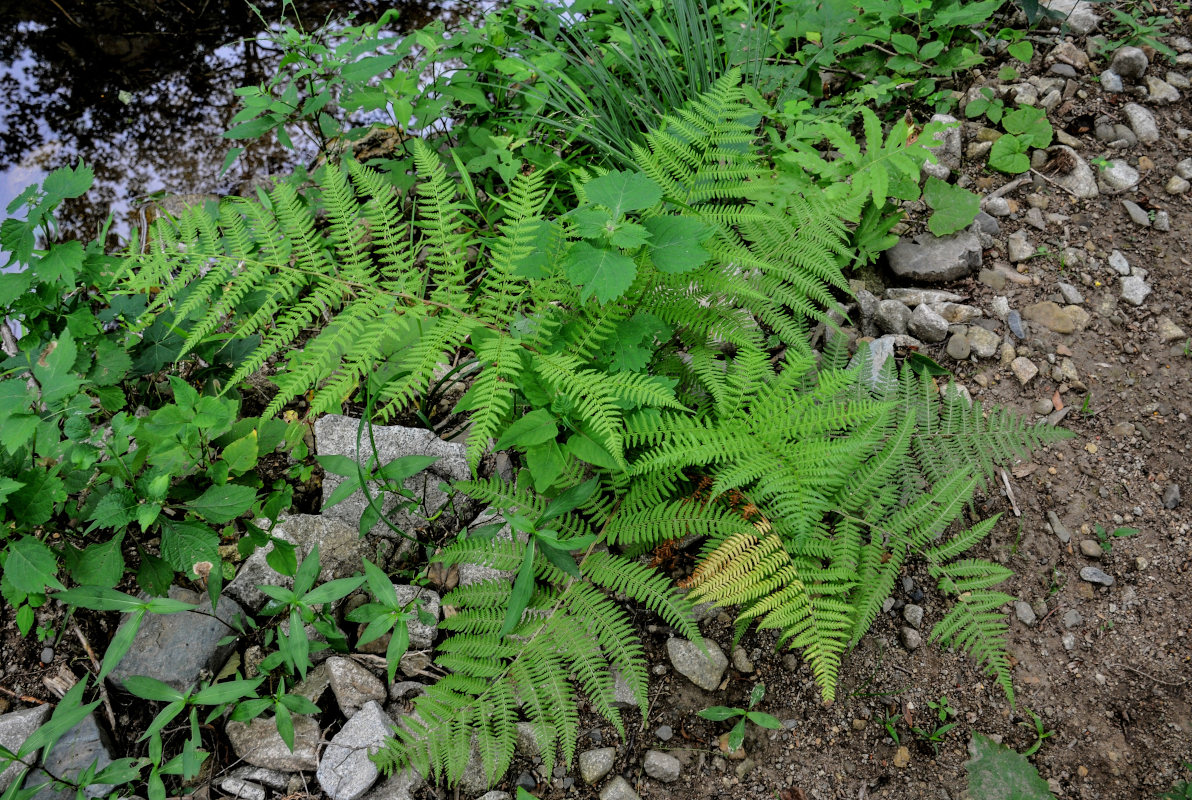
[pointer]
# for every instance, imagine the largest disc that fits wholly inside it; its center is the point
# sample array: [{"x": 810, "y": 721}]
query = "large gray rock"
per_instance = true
[
  {"x": 258, "y": 743},
  {"x": 83, "y": 746},
  {"x": 15, "y": 728},
  {"x": 703, "y": 669},
  {"x": 1078, "y": 15},
  {"x": 595, "y": 764},
  {"x": 1129, "y": 62},
  {"x": 353, "y": 685},
  {"x": 618, "y": 789},
  {"x": 398, "y": 787},
  {"x": 337, "y": 435},
  {"x": 948, "y": 151},
  {"x": 936, "y": 259},
  {"x": 1135, "y": 290},
  {"x": 1077, "y": 177},
  {"x": 1117, "y": 177},
  {"x": 341, "y": 554},
  {"x": 345, "y": 771},
  {"x": 927, "y": 325},
  {"x": 1142, "y": 122},
  {"x": 662, "y": 766},
  {"x": 892, "y": 316},
  {"x": 175, "y": 648}
]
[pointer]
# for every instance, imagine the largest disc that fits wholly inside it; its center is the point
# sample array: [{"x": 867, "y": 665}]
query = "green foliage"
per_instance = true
[
  {"x": 736, "y": 736},
  {"x": 954, "y": 208},
  {"x": 986, "y": 104},
  {"x": 1181, "y": 790},
  {"x": 1011, "y": 154},
  {"x": 996, "y": 772},
  {"x": 1105, "y": 538}
]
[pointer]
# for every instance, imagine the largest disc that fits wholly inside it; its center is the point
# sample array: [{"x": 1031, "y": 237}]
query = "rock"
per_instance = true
[
  {"x": 1094, "y": 575},
  {"x": 341, "y": 553},
  {"x": 15, "y": 728},
  {"x": 623, "y": 694},
  {"x": 1078, "y": 15},
  {"x": 398, "y": 787},
  {"x": 258, "y": 743},
  {"x": 337, "y": 435},
  {"x": 1090, "y": 548},
  {"x": 1177, "y": 185},
  {"x": 1112, "y": 82},
  {"x": 1024, "y": 612},
  {"x": 986, "y": 224},
  {"x": 470, "y": 574},
  {"x": 1129, "y": 62},
  {"x": 916, "y": 297},
  {"x": 499, "y": 795},
  {"x": 1068, "y": 53},
  {"x": 948, "y": 151},
  {"x": 935, "y": 259},
  {"x": 1137, "y": 215},
  {"x": 957, "y": 313},
  {"x": 1117, "y": 177},
  {"x": 689, "y": 659},
  {"x": 1160, "y": 91},
  {"x": 1042, "y": 407},
  {"x": 1169, "y": 331},
  {"x": 993, "y": 279},
  {"x": 902, "y": 758},
  {"x": 664, "y": 733},
  {"x": 1058, "y": 527},
  {"x": 527, "y": 741},
  {"x": 741, "y": 662},
  {"x": 1019, "y": 248},
  {"x": 618, "y": 789},
  {"x": 1171, "y": 495},
  {"x": 1080, "y": 179},
  {"x": 911, "y": 639},
  {"x": 353, "y": 685},
  {"x": 996, "y": 207},
  {"x": 595, "y": 764},
  {"x": 1142, "y": 122},
  {"x": 1069, "y": 642},
  {"x": 422, "y": 634},
  {"x": 984, "y": 343},
  {"x": 927, "y": 325},
  {"x": 345, "y": 770},
  {"x": 84, "y": 746},
  {"x": 661, "y": 766},
  {"x": 913, "y": 614},
  {"x": 265, "y": 777},
  {"x": 1135, "y": 290},
  {"x": 892, "y": 316},
  {"x": 1070, "y": 293},
  {"x": 175, "y": 648},
  {"x": 1162, "y": 221},
  {"x": 1072, "y": 618},
  {"x": 958, "y": 347},
  {"x": 1024, "y": 369},
  {"x": 242, "y": 789},
  {"x": 1119, "y": 263},
  {"x": 1184, "y": 169},
  {"x": 1050, "y": 316}
]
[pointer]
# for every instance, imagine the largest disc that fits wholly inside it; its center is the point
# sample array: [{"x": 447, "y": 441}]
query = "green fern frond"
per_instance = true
[{"x": 973, "y": 626}]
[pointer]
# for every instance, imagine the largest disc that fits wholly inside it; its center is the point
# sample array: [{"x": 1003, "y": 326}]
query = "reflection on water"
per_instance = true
[{"x": 141, "y": 90}]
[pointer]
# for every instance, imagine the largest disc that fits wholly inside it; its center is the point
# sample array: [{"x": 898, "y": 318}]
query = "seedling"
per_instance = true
[
  {"x": 736, "y": 737},
  {"x": 1106, "y": 538},
  {"x": 890, "y": 723},
  {"x": 1182, "y": 790},
  {"x": 936, "y": 734},
  {"x": 1041, "y": 733}
]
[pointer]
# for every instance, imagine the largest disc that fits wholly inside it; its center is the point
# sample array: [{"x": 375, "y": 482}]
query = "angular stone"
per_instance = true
[
  {"x": 1119, "y": 263},
  {"x": 175, "y": 648},
  {"x": 1050, "y": 316},
  {"x": 948, "y": 151},
  {"x": 1024, "y": 612},
  {"x": 911, "y": 639},
  {"x": 345, "y": 770},
  {"x": 1129, "y": 62},
  {"x": 84, "y": 746},
  {"x": 1078, "y": 15},
  {"x": 618, "y": 789},
  {"x": 927, "y": 325},
  {"x": 1136, "y": 213},
  {"x": 1094, "y": 575},
  {"x": 1079, "y": 179},
  {"x": 15, "y": 728},
  {"x": 337, "y": 435},
  {"x": 258, "y": 743},
  {"x": 595, "y": 764},
  {"x": 957, "y": 313},
  {"x": 353, "y": 685},
  {"x": 689, "y": 659},
  {"x": 913, "y": 614},
  {"x": 470, "y": 574},
  {"x": 1058, "y": 527},
  {"x": 1112, "y": 82},
  {"x": 1160, "y": 91},
  {"x": 661, "y": 766},
  {"x": 266, "y": 777},
  {"x": 1070, "y": 293},
  {"x": 341, "y": 553},
  {"x": 1168, "y": 332},
  {"x": 420, "y": 600},
  {"x": 398, "y": 787},
  {"x": 936, "y": 259},
  {"x": 1024, "y": 369},
  {"x": 1135, "y": 290},
  {"x": 1177, "y": 185},
  {"x": 892, "y": 316},
  {"x": 1142, "y": 122},
  {"x": 242, "y": 789},
  {"x": 1019, "y": 247}
]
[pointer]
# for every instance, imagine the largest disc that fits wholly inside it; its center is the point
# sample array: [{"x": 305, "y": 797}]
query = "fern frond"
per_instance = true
[{"x": 974, "y": 627}]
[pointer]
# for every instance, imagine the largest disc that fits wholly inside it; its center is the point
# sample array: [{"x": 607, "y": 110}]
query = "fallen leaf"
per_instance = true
[{"x": 1056, "y": 401}]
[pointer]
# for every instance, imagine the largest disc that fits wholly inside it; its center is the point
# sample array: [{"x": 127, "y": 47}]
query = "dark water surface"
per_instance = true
[{"x": 142, "y": 90}]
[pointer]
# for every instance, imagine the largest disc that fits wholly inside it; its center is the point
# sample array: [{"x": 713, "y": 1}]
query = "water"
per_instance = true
[{"x": 142, "y": 91}]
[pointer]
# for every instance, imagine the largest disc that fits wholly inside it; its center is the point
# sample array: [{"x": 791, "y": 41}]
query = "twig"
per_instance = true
[
  {"x": 1053, "y": 183},
  {"x": 24, "y": 698},
  {"x": 103, "y": 692},
  {"x": 1010, "y": 493},
  {"x": 1146, "y": 675},
  {"x": 1009, "y": 187}
]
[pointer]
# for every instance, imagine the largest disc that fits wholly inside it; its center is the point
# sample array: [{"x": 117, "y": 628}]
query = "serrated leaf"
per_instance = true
[
  {"x": 954, "y": 208},
  {"x": 65, "y": 182},
  {"x": 1030, "y": 124},
  {"x": 184, "y": 544},
  {"x": 220, "y": 504},
  {"x": 600, "y": 271},
  {"x": 620, "y": 192},
  {"x": 675, "y": 243},
  {"x": 31, "y": 566},
  {"x": 100, "y": 564},
  {"x": 61, "y": 264},
  {"x": 1009, "y": 154},
  {"x": 241, "y": 455},
  {"x": 154, "y": 575},
  {"x": 996, "y": 772}
]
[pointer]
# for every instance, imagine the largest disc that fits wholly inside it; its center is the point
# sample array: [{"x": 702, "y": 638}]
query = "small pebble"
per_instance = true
[
  {"x": 911, "y": 639},
  {"x": 47, "y": 654},
  {"x": 1094, "y": 575},
  {"x": 1171, "y": 499},
  {"x": 913, "y": 614},
  {"x": 1072, "y": 618},
  {"x": 664, "y": 733},
  {"x": 1024, "y": 612},
  {"x": 1090, "y": 548}
]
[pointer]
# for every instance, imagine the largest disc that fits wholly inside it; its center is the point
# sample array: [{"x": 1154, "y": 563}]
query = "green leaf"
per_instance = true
[
  {"x": 620, "y": 192},
  {"x": 61, "y": 264},
  {"x": 331, "y": 591},
  {"x": 523, "y": 590},
  {"x": 184, "y": 544},
  {"x": 675, "y": 243},
  {"x": 69, "y": 712},
  {"x": 996, "y": 772},
  {"x": 241, "y": 455},
  {"x": 736, "y": 737},
  {"x": 220, "y": 504},
  {"x": 719, "y": 713},
  {"x": 546, "y": 463},
  {"x": 1009, "y": 154},
  {"x": 600, "y": 271},
  {"x": 154, "y": 575},
  {"x": 587, "y": 450},
  {"x": 569, "y": 500},
  {"x": 630, "y": 346},
  {"x": 99, "y": 598},
  {"x": 54, "y": 370},
  {"x": 1023, "y": 50},
  {"x": 560, "y": 559},
  {"x": 65, "y": 183},
  {"x": 121, "y": 643},
  {"x": 765, "y": 720},
  {"x": 399, "y": 643},
  {"x": 954, "y": 208},
  {"x": 308, "y": 572},
  {"x": 31, "y": 566},
  {"x": 285, "y": 725},
  {"x": 534, "y": 428},
  {"x": 339, "y": 465},
  {"x": 226, "y": 692},
  {"x": 404, "y": 467},
  {"x": 100, "y": 564},
  {"x": 1030, "y": 124},
  {"x": 152, "y": 689},
  {"x": 282, "y": 557}
]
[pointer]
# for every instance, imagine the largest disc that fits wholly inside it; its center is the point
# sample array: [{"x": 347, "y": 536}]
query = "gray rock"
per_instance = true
[
  {"x": 15, "y": 728},
  {"x": 337, "y": 435},
  {"x": 1024, "y": 369},
  {"x": 623, "y": 694},
  {"x": 1135, "y": 290},
  {"x": 83, "y": 746},
  {"x": 618, "y": 789},
  {"x": 1160, "y": 91},
  {"x": 913, "y": 614},
  {"x": 470, "y": 574},
  {"x": 877, "y": 353},
  {"x": 1069, "y": 642},
  {"x": 1058, "y": 528},
  {"x": 1117, "y": 177},
  {"x": 1129, "y": 62},
  {"x": 527, "y": 741},
  {"x": 1142, "y": 122},
  {"x": 1078, "y": 15},
  {"x": 1072, "y": 618},
  {"x": 915, "y": 297},
  {"x": 1081, "y": 181},
  {"x": 398, "y": 787},
  {"x": 1162, "y": 221},
  {"x": 996, "y": 207},
  {"x": 987, "y": 224},
  {"x": 265, "y": 777},
  {"x": 740, "y": 659},
  {"x": 175, "y": 648},
  {"x": 1090, "y": 548},
  {"x": 353, "y": 685},
  {"x": 957, "y": 313},
  {"x": 1137, "y": 215},
  {"x": 911, "y": 639},
  {"x": 689, "y": 659},
  {"x": 341, "y": 553},
  {"x": 1070, "y": 293},
  {"x": 936, "y": 259},
  {"x": 1184, "y": 169},
  {"x": 595, "y": 764},
  {"x": 1024, "y": 612},
  {"x": 1094, "y": 575},
  {"x": 1169, "y": 332},
  {"x": 1177, "y": 185},
  {"x": 245, "y": 790},
  {"x": 662, "y": 766},
  {"x": 1171, "y": 495},
  {"x": 959, "y": 347},
  {"x": 496, "y": 794},
  {"x": 892, "y": 316},
  {"x": 984, "y": 343},
  {"x": 664, "y": 733},
  {"x": 1177, "y": 80},
  {"x": 1112, "y": 82},
  {"x": 1122, "y": 133},
  {"x": 345, "y": 770},
  {"x": 419, "y": 598},
  {"x": 927, "y": 325},
  {"x": 948, "y": 151},
  {"x": 1119, "y": 263},
  {"x": 1019, "y": 248},
  {"x": 258, "y": 743}
]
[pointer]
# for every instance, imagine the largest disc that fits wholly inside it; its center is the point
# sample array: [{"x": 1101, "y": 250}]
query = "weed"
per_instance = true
[
  {"x": 736, "y": 737},
  {"x": 937, "y": 732},
  {"x": 1105, "y": 539},
  {"x": 1041, "y": 732},
  {"x": 1181, "y": 790},
  {"x": 890, "y": 723}
]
